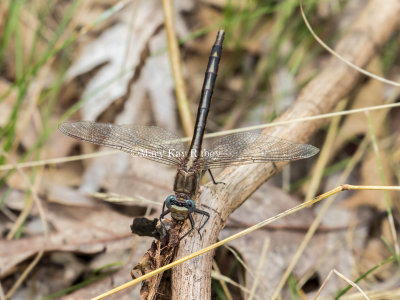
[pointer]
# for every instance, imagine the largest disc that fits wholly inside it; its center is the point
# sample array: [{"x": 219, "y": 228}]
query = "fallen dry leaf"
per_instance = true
[
  {"x": 104, "y": 230},
  {"x": 120, "y": 47}
]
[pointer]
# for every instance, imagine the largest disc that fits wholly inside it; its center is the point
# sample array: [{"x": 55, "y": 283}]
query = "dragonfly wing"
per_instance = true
[
  {"x": 151, "y": 142},
  {"x": 253, "y": 147}
]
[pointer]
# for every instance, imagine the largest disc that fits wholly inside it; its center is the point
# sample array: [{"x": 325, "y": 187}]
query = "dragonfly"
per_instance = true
[{"x": 160, "y": 145}]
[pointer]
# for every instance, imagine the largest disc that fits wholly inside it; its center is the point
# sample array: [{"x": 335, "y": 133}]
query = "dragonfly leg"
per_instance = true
[
  {"x": 189, "y": 231},
  {"x": 163, "y": 214},
  {"x": 204, "y": 213},
  {"x": 212, "y": 177}
]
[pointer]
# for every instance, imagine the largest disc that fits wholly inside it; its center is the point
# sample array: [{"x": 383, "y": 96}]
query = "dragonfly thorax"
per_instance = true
[{"x": 186, "y": 184}]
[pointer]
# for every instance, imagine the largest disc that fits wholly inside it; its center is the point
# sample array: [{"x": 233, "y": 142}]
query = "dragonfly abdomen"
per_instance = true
[{"x": 206, "y": 94}]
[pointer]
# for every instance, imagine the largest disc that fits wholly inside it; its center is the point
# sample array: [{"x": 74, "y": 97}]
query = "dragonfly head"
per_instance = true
[{"x": 179, "y": 209}]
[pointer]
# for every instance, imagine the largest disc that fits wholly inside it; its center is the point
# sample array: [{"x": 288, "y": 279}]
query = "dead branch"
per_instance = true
[{"x": 192, "y": 280}]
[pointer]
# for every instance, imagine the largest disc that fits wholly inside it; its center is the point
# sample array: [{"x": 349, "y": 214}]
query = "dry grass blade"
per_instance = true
[
  {"x": 345, "y": 279},
  {"x": 376, "y": 295},
  {"x": 226, "y": 279},
  {"x": 217, "y": 275},
  {"x": 175, "y": 59},
  {"x": 263, "y": 255},
  {"x": 382, "y": 179},
  {"x": 54, "y": 161},
  {"x": 295, "y": 120},
  {"x": 325, "y": 152},
  {"x": 242, "y": 263}
]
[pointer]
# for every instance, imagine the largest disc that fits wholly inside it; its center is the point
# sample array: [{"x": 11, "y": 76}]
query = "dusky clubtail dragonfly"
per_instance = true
[{"x": 162, "y": 146}]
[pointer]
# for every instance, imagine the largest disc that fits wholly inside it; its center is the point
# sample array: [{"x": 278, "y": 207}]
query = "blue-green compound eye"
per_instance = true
[
  {"x": 190, "y": 205},
  {"x": 169, "y": 199}
]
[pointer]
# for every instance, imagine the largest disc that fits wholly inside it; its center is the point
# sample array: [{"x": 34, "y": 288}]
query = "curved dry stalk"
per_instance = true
[
  {"x": 340, "y": 275},
  {"x": 331, "y": 51},
  {"x": 376, "y": 23},
  {"x": 175, "y": 59}
]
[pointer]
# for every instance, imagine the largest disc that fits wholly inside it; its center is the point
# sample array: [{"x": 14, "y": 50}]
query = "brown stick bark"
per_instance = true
[{"x": 378, "y": 20}]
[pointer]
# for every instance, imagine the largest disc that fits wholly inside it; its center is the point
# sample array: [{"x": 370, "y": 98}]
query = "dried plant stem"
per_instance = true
[
  {"x": 383, "y": 180},
  {"x": 176, "y": 67},
  {"x": 324, "y": 155},
  {"x": 334, "y": 53},
  {"x": 51, "y": 161},
  {"x": 340, "y": 275},
  {"x": 263, "y": 255}
]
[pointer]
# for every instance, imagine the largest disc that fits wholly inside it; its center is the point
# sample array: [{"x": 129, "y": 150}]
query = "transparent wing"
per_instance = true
[
  {"x": 149, "y": 142},
  {"x": 252, "y": 147}
]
